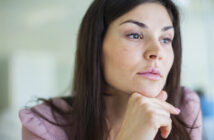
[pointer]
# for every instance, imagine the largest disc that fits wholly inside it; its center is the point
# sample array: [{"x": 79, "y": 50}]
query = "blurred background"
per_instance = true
[{"x": 37, "y": 49}]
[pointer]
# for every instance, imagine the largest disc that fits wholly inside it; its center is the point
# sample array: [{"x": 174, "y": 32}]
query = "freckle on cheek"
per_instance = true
[{"x": 125, "y": 49}]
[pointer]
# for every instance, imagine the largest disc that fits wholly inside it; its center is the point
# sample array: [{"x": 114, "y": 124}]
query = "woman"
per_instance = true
[{"x": 126, "y": 81}]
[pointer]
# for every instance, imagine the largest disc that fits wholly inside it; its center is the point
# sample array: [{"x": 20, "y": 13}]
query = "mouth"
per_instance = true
[{"x": 151, "y": 73}]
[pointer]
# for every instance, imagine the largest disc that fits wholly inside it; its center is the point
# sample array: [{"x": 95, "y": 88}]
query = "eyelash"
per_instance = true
[
  {"x": 166, "y": 39},
  {"x": 140, "y": 36},
  {"x": 135, "y": 36}
]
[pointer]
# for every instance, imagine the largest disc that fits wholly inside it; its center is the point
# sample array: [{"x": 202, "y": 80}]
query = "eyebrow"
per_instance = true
[
  {"x": 140, "y": 24},
  {"x": 143, "y": 25}
]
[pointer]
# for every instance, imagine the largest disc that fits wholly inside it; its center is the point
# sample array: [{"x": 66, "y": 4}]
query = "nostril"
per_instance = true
[{"x": 152, "y": 56}]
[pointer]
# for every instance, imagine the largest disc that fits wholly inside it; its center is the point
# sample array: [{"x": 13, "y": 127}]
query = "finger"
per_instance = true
[
  {"x": 165, "y": 126},
  {"x": 158, "y": 109},
  {"x": 170, "y": 108},
  {"x": 163, "y": 123},
  {"x": 135, "y": 96},
  {"x": 167, "y": 106},
  {"x": 165, "y": 131},
  {"x": 162, "y": 96}
]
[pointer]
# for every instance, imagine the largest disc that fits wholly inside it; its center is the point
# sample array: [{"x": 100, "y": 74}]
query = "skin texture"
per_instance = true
[
  {"x": 124, "y": 57},
  {"x": 138, "y": 102}
]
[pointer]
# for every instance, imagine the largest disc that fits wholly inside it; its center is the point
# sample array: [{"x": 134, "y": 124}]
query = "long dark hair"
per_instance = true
[{"x": 87, "y": 100}]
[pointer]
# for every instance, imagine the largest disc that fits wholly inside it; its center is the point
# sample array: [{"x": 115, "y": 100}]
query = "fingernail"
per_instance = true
[{"x": 177, "y": 110}]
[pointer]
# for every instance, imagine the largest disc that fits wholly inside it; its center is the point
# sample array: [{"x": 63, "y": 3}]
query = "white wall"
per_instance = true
[
  {"x": 37, "y": 47},
  {"x": 198, "y": 46}
]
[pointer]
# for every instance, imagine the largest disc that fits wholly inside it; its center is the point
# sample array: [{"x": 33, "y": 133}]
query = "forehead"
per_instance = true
[{"x": 154, "y": 15}]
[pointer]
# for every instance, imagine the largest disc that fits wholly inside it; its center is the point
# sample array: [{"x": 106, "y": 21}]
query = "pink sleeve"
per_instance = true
[
  {"x": 37, "y": 128},
  {"x": 191, "y": 112},
  {"x": 28, "y": 135},
  {"x": 33, "y": 126}
]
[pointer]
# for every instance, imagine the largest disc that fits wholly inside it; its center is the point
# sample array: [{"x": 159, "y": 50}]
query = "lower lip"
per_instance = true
[{"x": 151, "y": 76}]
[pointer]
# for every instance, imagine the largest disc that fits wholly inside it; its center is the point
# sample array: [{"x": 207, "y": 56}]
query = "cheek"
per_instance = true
[
  {"x": 119, "y": 66},
  {"x": 172, "y": 59},
  {"x": 169, "y": 60},
  {"x": 118, "y": 61}
]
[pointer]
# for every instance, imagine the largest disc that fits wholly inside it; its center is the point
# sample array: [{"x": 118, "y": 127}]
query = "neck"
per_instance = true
[{"x": 115, "y": 109}]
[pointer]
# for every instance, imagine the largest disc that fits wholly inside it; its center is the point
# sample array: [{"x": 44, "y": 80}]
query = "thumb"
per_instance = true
[{"x": 162, "y": 95}]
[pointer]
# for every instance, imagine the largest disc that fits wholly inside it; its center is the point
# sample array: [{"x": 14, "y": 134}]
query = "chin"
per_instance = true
[{"x": 151, "y": 92}]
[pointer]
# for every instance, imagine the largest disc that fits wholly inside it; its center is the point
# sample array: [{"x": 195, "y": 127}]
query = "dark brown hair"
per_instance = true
[{"x": 87, "y": 100}]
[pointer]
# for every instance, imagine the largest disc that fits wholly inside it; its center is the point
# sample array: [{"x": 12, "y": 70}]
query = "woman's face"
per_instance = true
[{"x": 137, "y": 50}]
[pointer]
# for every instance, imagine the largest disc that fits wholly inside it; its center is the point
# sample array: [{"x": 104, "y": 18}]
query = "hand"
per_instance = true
[{"x": 145, "y": 116}]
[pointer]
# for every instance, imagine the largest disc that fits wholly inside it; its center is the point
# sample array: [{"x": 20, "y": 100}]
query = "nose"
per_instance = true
[{"x": 153, "y": 51}]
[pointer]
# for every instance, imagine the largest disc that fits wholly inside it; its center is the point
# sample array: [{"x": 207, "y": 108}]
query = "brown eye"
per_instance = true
[{"x": 135, "y": 36}]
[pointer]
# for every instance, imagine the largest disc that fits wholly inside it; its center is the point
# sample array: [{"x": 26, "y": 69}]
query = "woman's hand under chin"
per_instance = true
[{"x": 145, "y": 116}]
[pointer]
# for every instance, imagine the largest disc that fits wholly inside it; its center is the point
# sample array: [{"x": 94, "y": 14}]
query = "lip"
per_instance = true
[{"x": 151, "y": 73}]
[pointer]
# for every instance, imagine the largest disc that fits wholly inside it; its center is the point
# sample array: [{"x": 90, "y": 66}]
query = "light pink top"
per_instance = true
[{"x": 35, "y": 128}]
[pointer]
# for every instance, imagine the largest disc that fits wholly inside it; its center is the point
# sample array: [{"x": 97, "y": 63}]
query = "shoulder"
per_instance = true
[
  {"x": 190, "y": 105},
  {"x": 190, "y": 95},
  {"x": 191, "y": 112},
  {"x": 37, "y": 126}
]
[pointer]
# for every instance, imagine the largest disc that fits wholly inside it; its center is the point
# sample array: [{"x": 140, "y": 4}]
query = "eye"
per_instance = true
[
  {"x": 135, "y": 36},
  {"x": 166, "y": 41}
]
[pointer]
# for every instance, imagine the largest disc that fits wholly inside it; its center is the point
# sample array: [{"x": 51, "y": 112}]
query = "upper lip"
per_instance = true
[{"x": 155, "y": 71}]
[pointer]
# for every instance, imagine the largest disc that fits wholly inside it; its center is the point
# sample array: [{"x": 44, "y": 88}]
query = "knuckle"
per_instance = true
[
  {"x": 134, "y": 96},
  {"x": 152, "y": 116},
  {"x": 141, "y": 101},
  {"x": 153, "y": 121},
  {"x": 135, "y": 99},
  {"x": 146, "y": 107}
]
